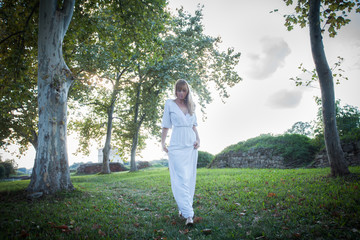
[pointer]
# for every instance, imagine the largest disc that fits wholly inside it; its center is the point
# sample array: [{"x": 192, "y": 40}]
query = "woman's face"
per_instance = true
[{"x": 181, "y": 92}]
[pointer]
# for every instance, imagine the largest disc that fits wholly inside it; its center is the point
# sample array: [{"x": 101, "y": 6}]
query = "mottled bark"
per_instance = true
[
  {"x": 133, "y": 167},
  {"x": 106, "y": 150},
  {"x": 51, "y": 169},
  {"x": 332, "y": 140},
  {"x": 107, "y": 147},
  {"x": 135, "y": 140}
]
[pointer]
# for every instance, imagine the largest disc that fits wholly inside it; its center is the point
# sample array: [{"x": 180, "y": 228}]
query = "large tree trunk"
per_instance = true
[
  {"x": 51, "y": 169},
  {"x": 332, "y": 140}
]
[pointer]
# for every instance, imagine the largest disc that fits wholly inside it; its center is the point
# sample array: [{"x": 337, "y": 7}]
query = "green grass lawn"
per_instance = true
[{"x": 228, "y": 204}]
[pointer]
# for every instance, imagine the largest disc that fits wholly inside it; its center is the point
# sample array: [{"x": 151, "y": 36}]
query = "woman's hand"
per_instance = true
[
  {"x": 197, "y": 144},
  {"x": 163, "y": 138},
  {"x": 165, "y": 148}
]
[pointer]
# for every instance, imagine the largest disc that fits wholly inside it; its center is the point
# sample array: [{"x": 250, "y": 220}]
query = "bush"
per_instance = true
[
  {"x": 143, "y": 164},
  {"x": 351, "y": 136},
  {"x": 347, "y": 122},
  {"x": 204, "y": 158},
  {"x": 9, "y": 166}
]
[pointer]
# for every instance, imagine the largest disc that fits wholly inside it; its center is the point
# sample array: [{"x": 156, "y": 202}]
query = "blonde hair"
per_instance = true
[{"x": 188, "y": 99}]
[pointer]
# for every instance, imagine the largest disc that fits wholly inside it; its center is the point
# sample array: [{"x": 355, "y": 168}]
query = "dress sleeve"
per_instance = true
[
  {"x": 195, "y": 121},
  {"x": 166, "y": 120}
]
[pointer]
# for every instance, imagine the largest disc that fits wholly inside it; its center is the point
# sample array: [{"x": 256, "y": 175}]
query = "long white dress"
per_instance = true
[{"x": 182, "y": 155}]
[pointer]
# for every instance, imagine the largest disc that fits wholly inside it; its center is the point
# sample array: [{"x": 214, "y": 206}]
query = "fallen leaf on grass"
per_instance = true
[
  {"x": 271, "y": 194},
  {"x": 62, "y": 227},
  {"x": 159, "y": 231},
  {"x": 206, "y": 231},
  {"x": 185, "y": 231},
  {"x": 297, "y": 235},
  {"x": 197, "y": 219},
  {"x": 101, "y": 233},
  {"x": 136, "y": 224}
]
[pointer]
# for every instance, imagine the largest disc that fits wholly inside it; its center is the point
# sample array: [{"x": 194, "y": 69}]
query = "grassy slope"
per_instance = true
[{"x": 231, "y": 203}]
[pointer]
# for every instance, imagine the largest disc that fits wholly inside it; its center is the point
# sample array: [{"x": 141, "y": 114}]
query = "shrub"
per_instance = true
[
  {"x": 351, "y": 136},
  {"x": 143, "y": 164},
  {"x": 347, "y": 122},
  {"x": 9, "y": 166},
  {"x": 204, "y": 158}
]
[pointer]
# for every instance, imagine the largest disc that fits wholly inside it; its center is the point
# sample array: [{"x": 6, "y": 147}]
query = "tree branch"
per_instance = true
[{"x": 67, "y": 11}]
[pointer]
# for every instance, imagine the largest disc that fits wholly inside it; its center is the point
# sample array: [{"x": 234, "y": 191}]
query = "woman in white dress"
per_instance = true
[{"x": 179, "y": 115}]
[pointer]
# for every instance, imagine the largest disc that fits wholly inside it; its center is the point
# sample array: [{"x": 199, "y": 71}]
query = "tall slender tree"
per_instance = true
[{"x": 310, "y": 12}]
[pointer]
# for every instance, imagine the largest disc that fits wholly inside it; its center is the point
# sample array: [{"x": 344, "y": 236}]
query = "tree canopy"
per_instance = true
[{"x": 180, "y": 50}]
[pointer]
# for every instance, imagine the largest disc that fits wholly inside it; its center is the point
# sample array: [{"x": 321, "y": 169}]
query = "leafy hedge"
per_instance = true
[
  {"x": 294, "y": 148},
  {"x": 6, "y": 168},
  {"x": 204, "y": 158}
]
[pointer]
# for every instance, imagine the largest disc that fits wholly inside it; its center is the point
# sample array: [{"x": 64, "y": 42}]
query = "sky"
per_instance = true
[{"x": 265, "y": 101}]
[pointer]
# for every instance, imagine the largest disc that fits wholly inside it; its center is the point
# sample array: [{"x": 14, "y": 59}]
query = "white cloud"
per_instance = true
[
  {"x": 274, "y": 52},
  {"x": 285, "y": 99}
]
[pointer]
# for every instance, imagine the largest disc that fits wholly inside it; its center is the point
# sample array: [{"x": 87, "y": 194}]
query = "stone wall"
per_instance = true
[
  {"x": 91, "y": 168},
  {"x": 254, "y": 158},
  {"x": 351, "y": 153},
  {"x": 264, "y": 158}
]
